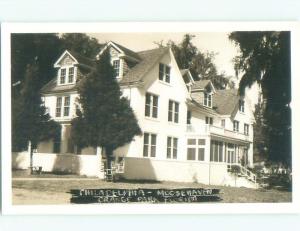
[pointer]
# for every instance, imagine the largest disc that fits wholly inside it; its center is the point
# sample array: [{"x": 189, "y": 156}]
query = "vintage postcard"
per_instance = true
[{"x": 149, "y": 118}]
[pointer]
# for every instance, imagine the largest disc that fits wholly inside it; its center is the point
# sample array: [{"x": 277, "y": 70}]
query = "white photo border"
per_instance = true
[{"x": 126, "y": 27}]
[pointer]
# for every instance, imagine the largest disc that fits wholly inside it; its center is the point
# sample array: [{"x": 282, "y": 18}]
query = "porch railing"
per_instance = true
[
  {"x": 211, "y": 129},
  {"x": 243, "y": 171}
]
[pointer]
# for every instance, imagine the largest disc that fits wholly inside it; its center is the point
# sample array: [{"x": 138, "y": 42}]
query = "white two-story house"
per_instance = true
[{"x": 191, "y": 131}]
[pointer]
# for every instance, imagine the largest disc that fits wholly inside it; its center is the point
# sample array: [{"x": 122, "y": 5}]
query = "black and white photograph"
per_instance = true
[{"x": 148, "y": 117}]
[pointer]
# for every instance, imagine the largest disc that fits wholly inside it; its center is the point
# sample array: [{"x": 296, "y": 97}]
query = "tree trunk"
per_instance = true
[{"x": 30, "y": 150}]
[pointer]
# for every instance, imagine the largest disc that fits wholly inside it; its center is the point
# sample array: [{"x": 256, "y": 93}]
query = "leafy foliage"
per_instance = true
[
  {"x": 106, "y": 119},
  {"x": 265, "y": 59},
  {"x": 32, "y": 57},
  {"x": 30, "y": 120},
  {"x": 201, "y": 65},
  {"x": 81, "y": 43}
]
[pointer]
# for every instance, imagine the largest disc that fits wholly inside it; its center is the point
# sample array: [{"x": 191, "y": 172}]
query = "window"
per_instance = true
[
  {"x": 62, "y": 75},
  {"x": 67, "y": 75},
  {"x": 216, "y": 151},
  {"x": 116, "y": 66},
  {"x": 241, "y": 105},
  {"x": 62, "y": 102},
  {"x": 172, "y": 147},
  {"x": 58, "y": 106},
  {"x": 207, "y": 99},
  {"x": 223, "y": 123},
  {"x": 67, "y": 106},
  {"x": 236, "y": 125},
  {"x": 164, "y": 73},
  {"x": 196, "y": 149},
  {"x": 173, "y": 112},
  {"x": 151, "y": 105},
  {"x": 149, "y": 145},
  {"x": 71, "y": 74},
  {"x": 246, "y": 129},
  {"x": 209, "y": 120},
  {"x": 188, "y": 117}
]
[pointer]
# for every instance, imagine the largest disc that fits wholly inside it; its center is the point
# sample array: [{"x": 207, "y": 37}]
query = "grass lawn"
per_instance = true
[{"x": 56, "y": 190}]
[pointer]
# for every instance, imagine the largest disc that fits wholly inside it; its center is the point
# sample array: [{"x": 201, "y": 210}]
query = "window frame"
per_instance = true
[
  {"x": 67, "y": 75},
  {"x": 236, "y": 126},
  {"x": 172, "y": 149},
  {"x": 195, "y": 145},
  {"x": 246, "y": 129},
  {"x": 63, "y": 106},
  {"x": 116, "y": 67},
  {"x": 173, "y": 111},
  {"x": 242, "y": 106},
  {"x": 164, "y": 73},
  {"x": 207, "y": 99},
  {"x": 217, "y": 151},
  {"x": 152, "y": 105},
  {"x": 151, "y": 145},
  {"x": 209, "y": 120}
]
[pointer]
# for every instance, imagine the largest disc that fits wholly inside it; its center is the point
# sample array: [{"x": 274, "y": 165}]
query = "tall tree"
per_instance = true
[
  {"x": 106, "y": 119},
  {"x": 201, "y": 65},
  {"x": 264, "y": 58},
  {"x": 27, "y": 47},
  {"x": 81, "y": 43},
  {"x": 31, "y": 123}
]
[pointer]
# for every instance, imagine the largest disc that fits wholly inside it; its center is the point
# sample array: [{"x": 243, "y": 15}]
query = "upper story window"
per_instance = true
[
  {"x": 164, "y": 73},
  {"x": 246, "y": 129},
  {"x": 116, "y": 66},
  {"x": 151, "y": 105},
  {"x": 62, "y": 106},
  {"x": 71, "y": 74},
  {"x": 173, "y": 111},
  {"x": 241, "y": 105},
  {"x": 223, "y": 123},
  {"x": 207, "y": 99},
  {"x": 209, "y": 120},
  {"x": 188, "y": 117},
  {"x": 236, "y": 125},
  {"x": 67, "y": 75},
  {"x": 63, "y": 72}
]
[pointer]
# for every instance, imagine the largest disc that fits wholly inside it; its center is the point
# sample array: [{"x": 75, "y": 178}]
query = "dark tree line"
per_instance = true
[{"x": 265, "y": 58}]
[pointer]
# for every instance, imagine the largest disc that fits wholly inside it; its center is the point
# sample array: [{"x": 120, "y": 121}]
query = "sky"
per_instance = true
[
  {"x": 216, "y": 42},
  {"x": 205, "y": 41}
]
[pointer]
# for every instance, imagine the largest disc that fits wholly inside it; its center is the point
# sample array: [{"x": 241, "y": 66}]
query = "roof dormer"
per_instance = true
[
  {"x": 121, "y": 58},
  {"x": 67, "y": 69},
  {"x": 203, "y": 91}
]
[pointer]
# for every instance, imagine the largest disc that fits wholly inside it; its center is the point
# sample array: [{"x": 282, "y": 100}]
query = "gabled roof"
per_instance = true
[
  {"x": 123, "y": 50},
  {"x": 127, "y": 51},
  {"x": 186, "y": 74},
  {"x": 148, "y": 59},
  {"x": 202, "y": 84},
  {"x": 52, "y": 87},
  {"x": 225, "y": 101},
  {"x": 78, "y": 59},
  {"x": 83, "y": 60}
]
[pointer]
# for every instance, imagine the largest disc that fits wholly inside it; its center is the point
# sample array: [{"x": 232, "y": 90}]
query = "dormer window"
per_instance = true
[
  {"x": 207, "y": 99},
  {"x": 164, "y": 73},
  {"x": 67, "y": 75},
  {"x": 241, "y": 105},
  {"x": 116, "y": 66},
  {"x": 71, "y": 74},
  {"x": 62, "y": 75}
]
